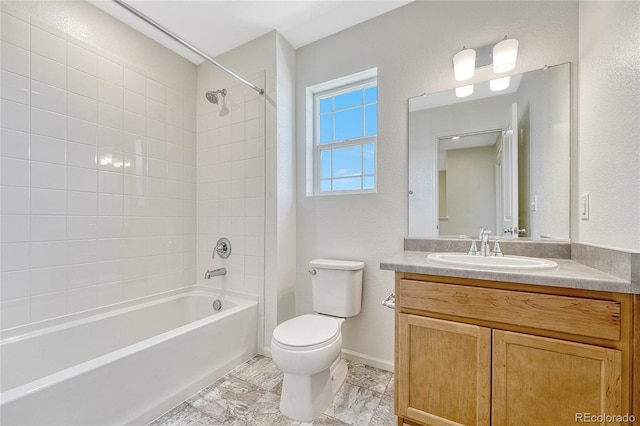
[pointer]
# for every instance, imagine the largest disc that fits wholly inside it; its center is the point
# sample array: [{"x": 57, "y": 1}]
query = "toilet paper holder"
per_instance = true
[{"x": 390, "y": 301}]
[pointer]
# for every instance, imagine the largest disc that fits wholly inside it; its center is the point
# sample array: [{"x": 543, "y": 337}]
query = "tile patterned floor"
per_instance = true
[{"x": 250, "y": 395}]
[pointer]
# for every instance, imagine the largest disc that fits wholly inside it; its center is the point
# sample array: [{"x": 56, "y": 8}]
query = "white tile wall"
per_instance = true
[
  {"x": 231, "y": 185},
  {"x": 98, "y": 178}
]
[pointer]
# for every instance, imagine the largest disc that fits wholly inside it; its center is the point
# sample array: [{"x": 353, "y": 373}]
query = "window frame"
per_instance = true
[{"x": 333, "y": 89}]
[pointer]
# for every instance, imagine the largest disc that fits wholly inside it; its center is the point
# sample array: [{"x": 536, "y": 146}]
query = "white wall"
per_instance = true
[
  {"x": 98, "y": 163},
  {"x": 413, "y": 56},
  {"x": 230, "y": 183},
  {"x": 284, "y": 173},
  {"x": 231, "y": 157},
  {"x": 246, "y": 177},
  {"x": 609, "y": 150}
]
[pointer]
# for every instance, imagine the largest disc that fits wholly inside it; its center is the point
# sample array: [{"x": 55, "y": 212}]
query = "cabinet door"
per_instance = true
[
  {"x": 542, "y": 381},
  {"x": 444, "y": 375}
]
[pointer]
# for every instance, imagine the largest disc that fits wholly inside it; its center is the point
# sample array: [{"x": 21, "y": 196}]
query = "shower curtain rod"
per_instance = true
[{"x": 187, "y": 45}]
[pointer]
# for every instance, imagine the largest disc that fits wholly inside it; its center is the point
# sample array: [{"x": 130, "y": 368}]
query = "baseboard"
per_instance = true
[
  {"x": 266, "y": 351},
  {"x": 380, "y": 363}
]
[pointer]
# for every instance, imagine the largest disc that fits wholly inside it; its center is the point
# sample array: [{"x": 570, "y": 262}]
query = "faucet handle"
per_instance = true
[
  {"x": 496, "y": 250},
  {"x": 223, "y": 248},
  {"x": 473, "y": 251}
]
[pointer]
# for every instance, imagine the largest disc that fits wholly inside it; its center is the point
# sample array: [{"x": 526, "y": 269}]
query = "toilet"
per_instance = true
[{"x": 307, "y": 348}]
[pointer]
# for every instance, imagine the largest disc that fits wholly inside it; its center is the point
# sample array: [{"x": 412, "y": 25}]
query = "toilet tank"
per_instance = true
[{"x": 336, "y": 286}]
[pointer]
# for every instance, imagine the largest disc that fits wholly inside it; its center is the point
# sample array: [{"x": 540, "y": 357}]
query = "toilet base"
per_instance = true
[{"x": 304, "y": 398}]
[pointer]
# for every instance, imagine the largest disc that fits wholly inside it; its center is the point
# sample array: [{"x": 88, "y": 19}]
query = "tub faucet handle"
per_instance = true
[{"x": 223, "y": 248}]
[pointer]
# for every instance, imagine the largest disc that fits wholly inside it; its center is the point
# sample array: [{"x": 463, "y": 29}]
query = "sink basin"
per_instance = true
[{"x": 511, "y": 263}]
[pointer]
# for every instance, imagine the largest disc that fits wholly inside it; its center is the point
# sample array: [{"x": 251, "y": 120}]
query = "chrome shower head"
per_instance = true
[{"x": 212, "y": 95}]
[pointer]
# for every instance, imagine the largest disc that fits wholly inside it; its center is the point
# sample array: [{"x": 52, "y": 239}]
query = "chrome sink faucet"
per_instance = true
[{"x": 483, "y": 235}]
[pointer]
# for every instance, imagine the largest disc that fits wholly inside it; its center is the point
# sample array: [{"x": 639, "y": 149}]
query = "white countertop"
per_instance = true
[{"x": 569, "y": 274}]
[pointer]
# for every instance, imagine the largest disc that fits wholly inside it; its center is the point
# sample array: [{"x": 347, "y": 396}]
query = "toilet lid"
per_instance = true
[{"x": 307, "y": 330}]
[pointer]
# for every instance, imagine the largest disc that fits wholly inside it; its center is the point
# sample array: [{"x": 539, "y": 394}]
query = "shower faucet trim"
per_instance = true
[{"x": 223, "y": 248}]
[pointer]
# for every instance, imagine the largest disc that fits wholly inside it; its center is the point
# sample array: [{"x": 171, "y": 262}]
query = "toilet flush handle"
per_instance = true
[{"x": 313, "y": 271}]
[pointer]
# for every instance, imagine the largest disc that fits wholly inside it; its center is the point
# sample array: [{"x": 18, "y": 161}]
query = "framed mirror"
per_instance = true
[{"x": 498, "y": 159}]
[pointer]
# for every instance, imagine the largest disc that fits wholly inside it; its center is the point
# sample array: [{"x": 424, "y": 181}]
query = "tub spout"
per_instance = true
[{"x": 215, "y": 273}]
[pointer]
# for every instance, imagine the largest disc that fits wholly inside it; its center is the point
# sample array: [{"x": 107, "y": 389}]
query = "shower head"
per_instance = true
[{"x": 212, "y": 95}]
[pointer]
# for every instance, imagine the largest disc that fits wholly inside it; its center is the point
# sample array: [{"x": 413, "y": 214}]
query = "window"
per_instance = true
[{"x": 345, "y": 118}]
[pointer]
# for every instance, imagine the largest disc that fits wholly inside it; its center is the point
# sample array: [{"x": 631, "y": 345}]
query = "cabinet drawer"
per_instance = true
[{"x": 573, "y": 315}]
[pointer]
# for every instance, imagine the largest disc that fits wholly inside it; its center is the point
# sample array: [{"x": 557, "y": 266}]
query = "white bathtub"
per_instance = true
[{"x": 124, "y": 364}]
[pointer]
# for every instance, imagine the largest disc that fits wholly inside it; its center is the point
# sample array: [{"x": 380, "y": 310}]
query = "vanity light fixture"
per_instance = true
[
  {"x": 502, "y": 56},
  {"x": 464, "y": 64},
  {"x": 464, "y": 91},
  {"x": 499, "y": 84}
]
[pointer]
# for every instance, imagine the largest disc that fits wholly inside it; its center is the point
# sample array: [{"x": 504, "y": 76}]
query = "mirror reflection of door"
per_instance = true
[
  {"x": 467, "y": 182},
  {"x": 478, "y": 180}
]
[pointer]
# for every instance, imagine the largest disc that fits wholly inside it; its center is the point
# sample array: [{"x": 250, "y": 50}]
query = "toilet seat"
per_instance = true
[{"x": 307, "y": 332}]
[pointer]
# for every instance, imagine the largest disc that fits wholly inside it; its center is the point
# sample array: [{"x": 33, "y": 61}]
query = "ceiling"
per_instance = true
[{"x": 217, "y": 26}]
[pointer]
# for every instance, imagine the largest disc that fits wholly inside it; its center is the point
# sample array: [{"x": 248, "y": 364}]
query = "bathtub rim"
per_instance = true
[
  {"x": 243, "y": 302},
  {"x": 32, "y": 329}
]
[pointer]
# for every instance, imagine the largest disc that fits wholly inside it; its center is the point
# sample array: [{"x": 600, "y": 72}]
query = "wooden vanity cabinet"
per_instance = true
[{"x": 472, "y": 352}]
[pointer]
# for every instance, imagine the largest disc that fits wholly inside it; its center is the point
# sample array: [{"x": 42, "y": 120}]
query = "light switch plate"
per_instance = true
[{"x": 584, "y": 206}]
